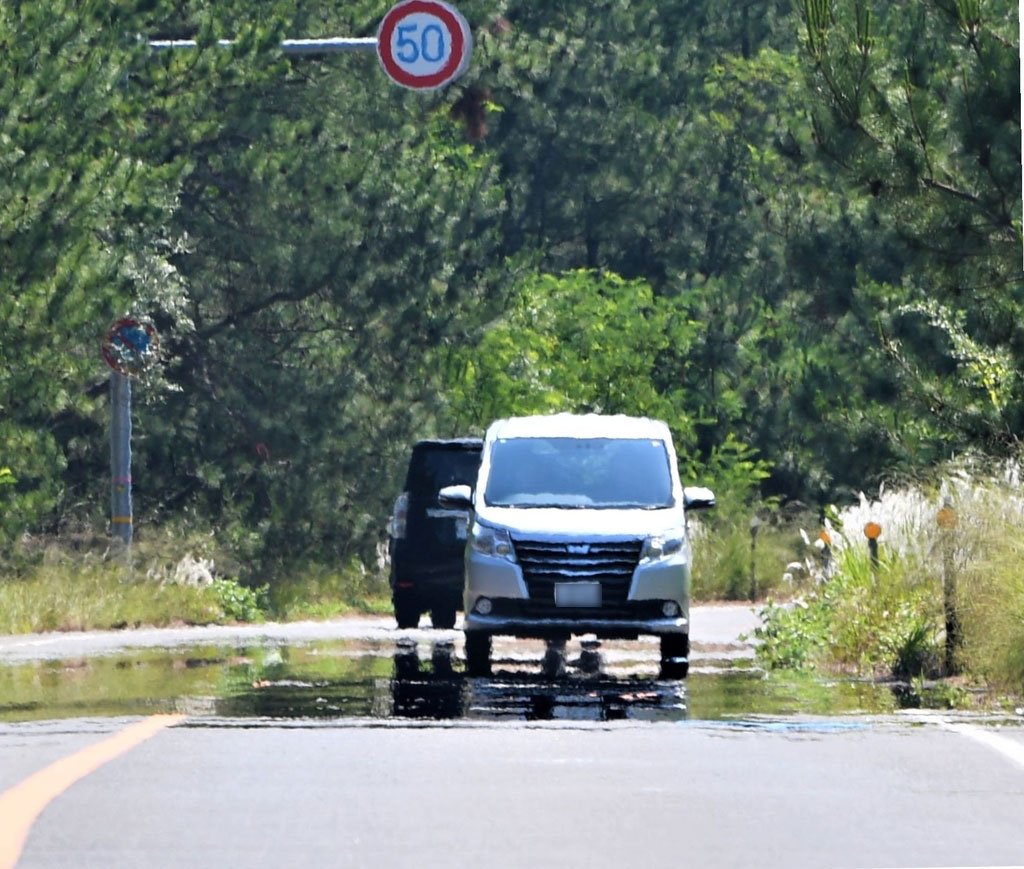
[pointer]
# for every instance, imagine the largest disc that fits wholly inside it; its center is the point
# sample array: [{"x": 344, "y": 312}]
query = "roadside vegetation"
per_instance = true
[
  {"x": 831, "y": 608},
  {"x": 97, "y": 595},
  {"x": 89, "y": 592},
  {"x": 165, "y": 579},
  {"x": 955, "y": 542}
]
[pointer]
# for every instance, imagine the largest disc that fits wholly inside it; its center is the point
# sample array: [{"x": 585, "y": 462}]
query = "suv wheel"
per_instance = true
[
  {"x": 675, "y": 654},
  {"x": 407, "y": 612},
  {"x": 443, "y": 616},
  {"x": 478, "y": 653}
]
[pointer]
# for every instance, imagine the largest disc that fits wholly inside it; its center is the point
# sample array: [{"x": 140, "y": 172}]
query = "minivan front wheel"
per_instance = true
[
  {"x": 675, "y": 656},
  {"x": 478, "y": 653}
]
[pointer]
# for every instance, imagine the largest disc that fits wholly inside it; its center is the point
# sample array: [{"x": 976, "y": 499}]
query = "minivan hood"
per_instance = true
[{"x": 558, "y": 522}]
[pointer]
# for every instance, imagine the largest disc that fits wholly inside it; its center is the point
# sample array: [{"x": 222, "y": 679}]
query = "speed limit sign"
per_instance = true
[{"x": 424, "y": 44}]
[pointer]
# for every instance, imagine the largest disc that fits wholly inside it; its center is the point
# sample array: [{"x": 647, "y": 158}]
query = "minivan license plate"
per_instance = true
[{"x": 578, "y": 594}]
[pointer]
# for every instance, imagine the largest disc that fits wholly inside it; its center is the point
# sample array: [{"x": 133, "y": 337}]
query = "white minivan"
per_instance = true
[{"x": 578, "y": 527}]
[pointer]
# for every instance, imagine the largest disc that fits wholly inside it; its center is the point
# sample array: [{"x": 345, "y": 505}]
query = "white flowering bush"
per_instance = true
[
  {"x": 981, "y": 497},
  {"x": 194, "y": 572},
  {"x": 188, "y": 571}
]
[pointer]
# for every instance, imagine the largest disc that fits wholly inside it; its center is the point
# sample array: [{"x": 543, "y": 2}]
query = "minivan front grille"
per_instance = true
[{"x": 609, "y": 562}]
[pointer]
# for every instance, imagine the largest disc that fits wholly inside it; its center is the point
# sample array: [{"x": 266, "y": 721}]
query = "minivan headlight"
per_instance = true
[
  {"x": 495, "y": 542},
  {"x": 660, "y": 546}
]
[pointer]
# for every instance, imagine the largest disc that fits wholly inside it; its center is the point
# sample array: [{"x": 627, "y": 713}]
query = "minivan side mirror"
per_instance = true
[
  {"x": 698, "y": 498},
  {"x": 460, "y": 496}
]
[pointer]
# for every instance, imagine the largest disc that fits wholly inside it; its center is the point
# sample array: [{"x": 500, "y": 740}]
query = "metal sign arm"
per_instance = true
[{"x": 327, "y": 45}]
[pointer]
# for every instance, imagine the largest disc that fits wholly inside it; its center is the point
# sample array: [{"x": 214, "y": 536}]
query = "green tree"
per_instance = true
[
  {"x": 919, "y": 109},
  {"x": 584, "y": 341},
  {"x": 791, "y": 231},
  {"x": 591, "y": 342},
  {"x": 673, "y": 143}
]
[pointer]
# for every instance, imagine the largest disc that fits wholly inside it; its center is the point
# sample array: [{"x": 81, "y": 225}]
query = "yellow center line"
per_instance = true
[{"x": 22, "y": 804}]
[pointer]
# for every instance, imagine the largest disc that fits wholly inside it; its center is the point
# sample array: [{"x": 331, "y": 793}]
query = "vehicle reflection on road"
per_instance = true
[
  {"x": 418, "y": 691},
  {"x": 421, "y": 675},
  {"x": 552, "y": 688}
]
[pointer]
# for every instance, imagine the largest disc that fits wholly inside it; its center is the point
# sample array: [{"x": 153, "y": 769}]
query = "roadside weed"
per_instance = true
[
  {"x": 239, "y": 603},
  {"x": 866, "y": 619},
  {"x": 990, "y": 598}
]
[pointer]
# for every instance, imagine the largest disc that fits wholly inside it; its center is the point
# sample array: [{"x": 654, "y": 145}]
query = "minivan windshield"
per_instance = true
[{"x": 592, "y": 473}]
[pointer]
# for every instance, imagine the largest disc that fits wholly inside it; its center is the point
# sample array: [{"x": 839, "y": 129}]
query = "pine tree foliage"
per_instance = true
[{"x": 920, "y": 110}]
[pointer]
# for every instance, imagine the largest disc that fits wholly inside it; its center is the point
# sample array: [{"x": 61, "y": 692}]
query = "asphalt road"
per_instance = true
[
  {"x": 909, "y": 790},
  {"x": 839, "y": 793}
]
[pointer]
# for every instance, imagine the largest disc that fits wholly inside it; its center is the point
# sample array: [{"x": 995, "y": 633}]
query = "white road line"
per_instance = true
[{"x": 1009, "y": 748}]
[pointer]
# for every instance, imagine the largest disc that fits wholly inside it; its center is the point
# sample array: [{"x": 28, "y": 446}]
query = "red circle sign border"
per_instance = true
[
  {"x": 457, "y": 27},
  {"x": 130, "y": 322}
]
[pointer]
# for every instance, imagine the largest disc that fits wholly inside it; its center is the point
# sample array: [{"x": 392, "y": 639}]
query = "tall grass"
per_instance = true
[
  {"x": 81, "y": 583},
  {"x": 867, "y": 618},
  {"x": 980, "y": 555},
  {"x": 69, "y": 597},
  {"x": 319, "y": 592},
  {"x": 726, "y": 566},
  {"x": 990, "y": 603}
]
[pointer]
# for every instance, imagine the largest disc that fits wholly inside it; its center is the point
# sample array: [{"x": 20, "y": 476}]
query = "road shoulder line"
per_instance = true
[{"x": 23, "y": 803}]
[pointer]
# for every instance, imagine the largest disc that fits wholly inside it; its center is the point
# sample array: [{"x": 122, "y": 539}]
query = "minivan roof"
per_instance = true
[{"x": 570, "y": 425}]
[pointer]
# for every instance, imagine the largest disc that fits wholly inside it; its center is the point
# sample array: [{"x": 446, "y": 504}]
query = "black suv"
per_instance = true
[{"x": 426, "y": 541}]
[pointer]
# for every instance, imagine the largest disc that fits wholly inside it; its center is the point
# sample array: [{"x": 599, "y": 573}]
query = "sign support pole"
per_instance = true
[
  {"x": 130, "y": 346},
  {"x": 121, "y": 457},
  {"x": 421, "y": 44}
]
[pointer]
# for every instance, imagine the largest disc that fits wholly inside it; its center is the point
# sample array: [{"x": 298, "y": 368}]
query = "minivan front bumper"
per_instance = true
[
  {"x": 513, "y": 612},
  {"x": 553, "y": 628}
]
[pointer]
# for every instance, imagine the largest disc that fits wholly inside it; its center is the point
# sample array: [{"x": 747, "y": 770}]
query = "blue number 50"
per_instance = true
[{"x": 431, "y": 50}]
